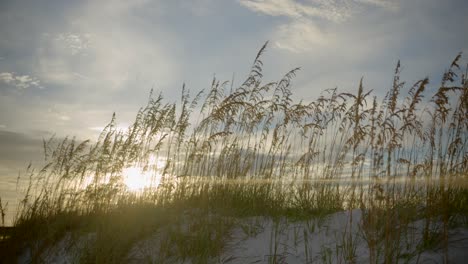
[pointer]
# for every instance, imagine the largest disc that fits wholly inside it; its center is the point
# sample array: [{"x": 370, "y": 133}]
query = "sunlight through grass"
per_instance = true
[{"x": 137, "y": 178}]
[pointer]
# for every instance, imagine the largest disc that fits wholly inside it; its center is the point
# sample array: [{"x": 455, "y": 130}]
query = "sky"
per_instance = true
[{"x": 66, "y": 66}]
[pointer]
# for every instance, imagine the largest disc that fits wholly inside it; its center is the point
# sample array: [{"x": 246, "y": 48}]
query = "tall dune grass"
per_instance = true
[{"x": 255, "y": 151}]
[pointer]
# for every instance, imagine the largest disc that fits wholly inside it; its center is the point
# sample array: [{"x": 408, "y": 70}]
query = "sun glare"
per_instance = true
[{"x": 136, "y": 179}]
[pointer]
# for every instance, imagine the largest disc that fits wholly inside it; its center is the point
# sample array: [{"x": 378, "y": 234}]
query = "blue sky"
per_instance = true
[{"x": 66, "y": 66}]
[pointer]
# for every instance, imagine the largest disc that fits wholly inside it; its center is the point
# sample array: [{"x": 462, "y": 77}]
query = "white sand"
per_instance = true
[{"x": 264, "y": 240}]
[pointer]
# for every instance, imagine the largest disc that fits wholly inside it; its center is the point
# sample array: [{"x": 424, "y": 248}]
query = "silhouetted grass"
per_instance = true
[{"x": 254, "y": 151}]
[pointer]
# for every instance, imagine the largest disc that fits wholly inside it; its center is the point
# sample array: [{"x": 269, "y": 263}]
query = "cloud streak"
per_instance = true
[
  {"x": 300, "y": 37},
  {"x": 331, "y": 10},
  {"x": 20, "y": 82},
  {"x": 301, "y": 32},
  {"x": 76, "y": 43}
]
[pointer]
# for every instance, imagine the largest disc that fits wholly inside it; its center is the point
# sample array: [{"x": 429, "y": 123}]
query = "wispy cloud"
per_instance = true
[
  {"x": 301, "y": 32},
  {"x": 332, "y": 10},
  {"x": 19, "y": 81},
  {"x": 274, "y": 7},
  {"x": 76, "y": 43},
  {"x": 391, "y": 4},
  {"x": 300, "y": 36}
]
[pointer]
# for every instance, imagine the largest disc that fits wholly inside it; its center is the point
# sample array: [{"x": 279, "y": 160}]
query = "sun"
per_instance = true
[
  {"x": 137, "y": 179},
  {"x": 134, "y": 179}
]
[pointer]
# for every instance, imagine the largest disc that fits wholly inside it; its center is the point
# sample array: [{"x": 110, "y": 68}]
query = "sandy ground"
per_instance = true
[{"x": 330, "y": 239}]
